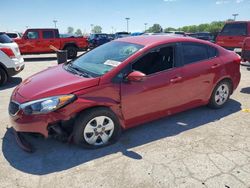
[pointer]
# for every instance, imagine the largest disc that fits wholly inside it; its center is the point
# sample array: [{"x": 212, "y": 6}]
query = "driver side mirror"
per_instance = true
[
  {"x": 136, "y": 76},
  {"x": 25, "y": 37}
]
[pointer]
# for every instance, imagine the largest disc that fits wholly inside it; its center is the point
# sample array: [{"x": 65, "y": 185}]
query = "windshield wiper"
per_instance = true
[{"x": 78, "y": 71}]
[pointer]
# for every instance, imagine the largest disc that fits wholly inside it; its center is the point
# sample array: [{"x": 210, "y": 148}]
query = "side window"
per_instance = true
[
  {"x": 212, "y": 52},
  {"x": 48, "y": 34},
  {"x": 192, "y": 52},
  {"x": 156, "y": 61},
  {"x": 33, "y": 35},
  {"x": 234, "y": 29}
]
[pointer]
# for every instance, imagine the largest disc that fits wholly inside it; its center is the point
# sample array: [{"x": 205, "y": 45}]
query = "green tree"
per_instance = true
[
  {"x": 169, "y": 29},
  {"x": 97, "y": 29},
  {"x": 212, "y": 27},
  {"x": 78, "y": 32},
  {"x": 70, "y": 30},
  {"x": 156, "y": 28}
]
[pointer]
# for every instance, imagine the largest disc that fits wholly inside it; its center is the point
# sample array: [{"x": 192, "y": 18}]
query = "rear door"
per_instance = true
[
  {"x": 232, "y": 36},
  {"x": 201, "y": 64},
  {"x": 49, "y": 38}
]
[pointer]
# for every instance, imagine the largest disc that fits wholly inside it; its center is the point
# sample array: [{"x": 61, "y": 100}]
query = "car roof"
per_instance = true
[
  {"x": 153, "y": 40},
  {"x": 232, "y": 22}
]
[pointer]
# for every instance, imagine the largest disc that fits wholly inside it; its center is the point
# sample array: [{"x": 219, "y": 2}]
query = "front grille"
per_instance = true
[{"x": 13, "y": 108}]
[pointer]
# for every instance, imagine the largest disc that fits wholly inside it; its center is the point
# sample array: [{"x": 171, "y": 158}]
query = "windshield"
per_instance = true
[{"x": 106, "y": 57}]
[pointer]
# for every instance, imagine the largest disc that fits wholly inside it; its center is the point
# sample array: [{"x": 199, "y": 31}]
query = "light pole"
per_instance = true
[
  {"x": 55, "y": 21},
  {"x": 92, "y": 26},
  {"x": 235, "y": 15},
  {"x": 127, "y": 23},
  {"x": 145, "y": 26}
]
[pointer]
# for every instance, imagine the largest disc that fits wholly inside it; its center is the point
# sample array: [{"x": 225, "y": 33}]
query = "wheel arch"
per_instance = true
[
  {"x": 70, "y": 44},
  {"x": 227, "y": 79},
  {"x": 108, "y": 107}
]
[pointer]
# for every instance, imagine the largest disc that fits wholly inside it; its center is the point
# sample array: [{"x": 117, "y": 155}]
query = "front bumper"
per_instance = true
[
  {"x": 14, "y": 71},
  {"x": 22, "y": 142}
]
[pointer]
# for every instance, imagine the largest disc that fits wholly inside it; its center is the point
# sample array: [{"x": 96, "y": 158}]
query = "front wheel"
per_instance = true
[
  {"x": 3, "y": 77},
  {"x": 220, "y": 95},
  {"x": 96, "y": 128}
]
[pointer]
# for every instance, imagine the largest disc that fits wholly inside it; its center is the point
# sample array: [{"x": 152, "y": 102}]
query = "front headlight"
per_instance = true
[{"x": 46, "y": 105}]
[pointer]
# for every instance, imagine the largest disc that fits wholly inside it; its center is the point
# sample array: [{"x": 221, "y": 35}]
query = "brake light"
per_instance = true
[{"x": 8, "y": 52}]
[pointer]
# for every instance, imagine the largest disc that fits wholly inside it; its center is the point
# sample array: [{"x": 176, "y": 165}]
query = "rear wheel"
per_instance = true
[
  {"x": 3, "y": 77},
  {"x": 220, "y": 94},
  {"x": 71, "y": 52},
  {"x": 96, "y": 128}
]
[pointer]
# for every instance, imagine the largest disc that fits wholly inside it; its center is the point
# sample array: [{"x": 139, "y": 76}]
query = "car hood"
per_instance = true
[{"x": 53, "y": 81}]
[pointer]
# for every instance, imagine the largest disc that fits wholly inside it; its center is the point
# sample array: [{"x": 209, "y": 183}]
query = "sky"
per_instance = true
[{"x": 17, "y": 15}]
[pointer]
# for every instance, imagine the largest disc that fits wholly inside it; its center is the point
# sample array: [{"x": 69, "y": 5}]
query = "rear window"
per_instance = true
[
  {"x": 48, "y": 34},
  {"x": 4, "y": 38},
  {"x": 12, "y": 35},
  {"x": 193, "y": 52},
  {"x": 234, "y": 29}
]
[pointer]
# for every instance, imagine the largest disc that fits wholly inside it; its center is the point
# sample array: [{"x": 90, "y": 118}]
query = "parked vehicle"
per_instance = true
[
  {"x": 14, "y": 35},
  {"x": 122, "y": 84},
  {"x": 136, "y": 34},
  {"x": 203, "y": 36},
  {"x": 37, "y": 41},
  {"x": 246, "y": 50},
  {"x": 233, "y": 34},
  {"x": 11, "y": 61},
  {"x": 111, "y": 36},
  {"x": 98, "y": 39},
  {"x": 176, "y": 32},
  {"x": 121, "y": 35}
]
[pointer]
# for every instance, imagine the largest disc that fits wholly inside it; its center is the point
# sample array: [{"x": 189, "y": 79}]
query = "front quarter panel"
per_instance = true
[{"x": 106, "y": 95}]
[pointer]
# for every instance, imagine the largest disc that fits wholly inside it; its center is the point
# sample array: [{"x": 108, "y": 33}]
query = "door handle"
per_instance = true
[
  {"x": 215, "y": 66},
  {"x": 230, "y": 37},
  {"x": 176, "y": 79}
]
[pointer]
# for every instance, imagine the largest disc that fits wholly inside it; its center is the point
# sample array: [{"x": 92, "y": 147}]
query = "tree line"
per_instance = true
[
  {"x": 78, "y": 32},
  {"x": 213, "y": 27}
]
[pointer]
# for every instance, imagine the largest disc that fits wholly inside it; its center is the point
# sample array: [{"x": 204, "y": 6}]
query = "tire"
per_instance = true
[
  {"x": 90, "y": 134},
  {"x": 71, "y": 52},
  {"x": 3, "y": 77},
  {"x": 220, "y": 95}
]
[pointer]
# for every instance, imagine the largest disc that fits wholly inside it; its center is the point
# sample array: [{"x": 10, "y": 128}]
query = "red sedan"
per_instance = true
[{"x": 122, "y": 84}]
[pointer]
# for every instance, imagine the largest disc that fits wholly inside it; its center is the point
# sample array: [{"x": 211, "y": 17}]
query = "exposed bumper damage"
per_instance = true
[{"x": 22, "y": 142}]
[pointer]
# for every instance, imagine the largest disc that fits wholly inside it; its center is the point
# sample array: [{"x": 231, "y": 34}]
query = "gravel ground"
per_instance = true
[{"x": 196, "y": 148}]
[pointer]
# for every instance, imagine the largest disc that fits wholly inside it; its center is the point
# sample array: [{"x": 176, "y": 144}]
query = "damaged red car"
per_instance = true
[{"x": 122, "y": 84}]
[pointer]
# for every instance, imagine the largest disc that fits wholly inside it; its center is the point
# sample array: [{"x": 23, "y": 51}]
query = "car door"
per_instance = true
[
  {"x": 31, "y": 43},
  {"x": 200, "y": 67},
  {"x": 48, "y": 39},
  {"x": 160, "y": 91}
]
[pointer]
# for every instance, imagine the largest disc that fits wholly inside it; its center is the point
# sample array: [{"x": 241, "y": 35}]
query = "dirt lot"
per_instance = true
[{"x": 197, "y": 148}]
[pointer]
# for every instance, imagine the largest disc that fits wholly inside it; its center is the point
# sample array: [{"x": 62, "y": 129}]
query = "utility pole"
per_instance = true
[
  {"x": 235, "y": 15},
  {"x": 145, "y": 26},
  {"x": 127, "y": 23},
  {"x": 55, "y": 21},
  {"x": 92, "y": 27}
]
